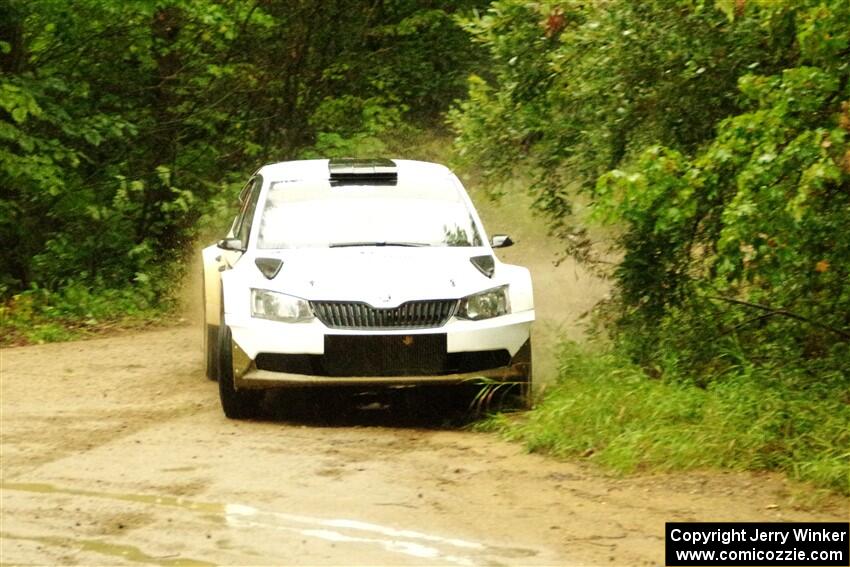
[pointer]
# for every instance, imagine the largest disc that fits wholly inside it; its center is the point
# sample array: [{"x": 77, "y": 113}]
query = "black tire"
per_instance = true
[{"x": 236, "y": 404}]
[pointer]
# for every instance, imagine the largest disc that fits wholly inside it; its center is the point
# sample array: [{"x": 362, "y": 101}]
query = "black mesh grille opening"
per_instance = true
[
  {"x": 384, "y": 355},
  {"x": 310, "y": 364},
  {"x": 461, "y": 362},
  {"x": 410, "y": 315},
  {"x": 395, "y": 355}
]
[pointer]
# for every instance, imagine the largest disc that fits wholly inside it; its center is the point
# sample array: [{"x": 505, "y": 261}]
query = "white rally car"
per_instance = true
[{"x": 370, "y": 273}]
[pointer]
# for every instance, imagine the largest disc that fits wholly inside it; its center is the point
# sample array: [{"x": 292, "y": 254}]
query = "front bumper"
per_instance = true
[{"x": 496, "y": 349}]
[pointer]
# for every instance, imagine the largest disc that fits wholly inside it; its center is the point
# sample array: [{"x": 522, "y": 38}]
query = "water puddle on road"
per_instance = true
[
  {"x": 171, "y": 501},
  {"x": 127, "y": 552},
  {"x": 346, "y": 531}
]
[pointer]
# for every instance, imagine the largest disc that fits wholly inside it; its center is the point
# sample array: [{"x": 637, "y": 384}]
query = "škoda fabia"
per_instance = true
[{"x": 365, "y": 273}]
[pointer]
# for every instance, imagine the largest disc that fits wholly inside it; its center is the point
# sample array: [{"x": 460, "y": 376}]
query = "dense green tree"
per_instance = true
[
  {"x": 121, "y": 122},
  {"x": 714, "y": 135}
]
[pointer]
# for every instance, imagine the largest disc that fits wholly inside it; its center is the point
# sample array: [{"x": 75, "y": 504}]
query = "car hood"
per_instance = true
[{"x": 383, "y": 276}]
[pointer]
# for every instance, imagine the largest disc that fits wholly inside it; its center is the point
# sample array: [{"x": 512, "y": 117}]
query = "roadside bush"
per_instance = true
[
  {"x": 40, "y": 315},
  {"x": 609, "y": 410}
]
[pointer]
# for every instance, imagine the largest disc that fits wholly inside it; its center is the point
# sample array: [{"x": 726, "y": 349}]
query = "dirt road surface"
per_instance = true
[{"x": 115, "y": 451}]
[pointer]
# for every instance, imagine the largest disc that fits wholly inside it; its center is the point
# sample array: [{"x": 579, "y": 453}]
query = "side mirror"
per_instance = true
[
  {"x": 501, "y": 241},
  {"x": 233, "y": 244}
]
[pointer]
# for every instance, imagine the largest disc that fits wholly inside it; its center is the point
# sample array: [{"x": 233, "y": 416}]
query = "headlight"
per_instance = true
[
  {"x": 484, "y": 305},
  {"x": 279, "y": 307}
]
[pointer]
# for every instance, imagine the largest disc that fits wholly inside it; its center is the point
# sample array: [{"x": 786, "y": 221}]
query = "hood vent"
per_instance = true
[
  {"x": 485, "y": 264},
  {"x": 269, "y": 266},
  {"x": 354, "y": 171}
]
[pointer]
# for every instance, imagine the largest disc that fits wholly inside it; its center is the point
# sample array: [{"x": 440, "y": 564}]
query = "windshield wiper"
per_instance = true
[{"x": 352, "y": 244}]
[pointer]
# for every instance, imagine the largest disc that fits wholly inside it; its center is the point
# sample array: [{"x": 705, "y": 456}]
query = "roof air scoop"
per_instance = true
[
  {"x": 269, "y": 266},
  {"x": 485, "y": 264},
  {"x": 355, "y": 171}
]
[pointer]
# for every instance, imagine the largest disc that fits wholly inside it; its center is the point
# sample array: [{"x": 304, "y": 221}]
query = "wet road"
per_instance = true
[{"x": 115, "y": 451}]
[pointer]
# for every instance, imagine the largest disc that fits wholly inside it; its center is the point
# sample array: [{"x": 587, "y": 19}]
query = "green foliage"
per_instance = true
[
  {"x": 39, "y": 315},
  {"x": 752, "y": 222},
  {"x": 579, "y": 87},
  {"x": 125, "y": 127},
  {"x": 353, "y": 127},
  {"x": 715, "y": 137},
  {"x": 607, "y": 409}
]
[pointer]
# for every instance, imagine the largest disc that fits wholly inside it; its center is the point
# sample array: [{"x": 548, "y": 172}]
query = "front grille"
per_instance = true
[
  {"x": 410, "y": 315},
  {"x": 384, "y": 355}
]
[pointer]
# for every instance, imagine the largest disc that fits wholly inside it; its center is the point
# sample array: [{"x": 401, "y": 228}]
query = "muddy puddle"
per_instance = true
[{"x": 394, "y": 540}]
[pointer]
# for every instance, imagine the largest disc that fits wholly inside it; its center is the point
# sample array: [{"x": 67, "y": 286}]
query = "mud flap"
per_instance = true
[
  {"x": 211, "y": 351},
  {"x": 511, "y": 393}
]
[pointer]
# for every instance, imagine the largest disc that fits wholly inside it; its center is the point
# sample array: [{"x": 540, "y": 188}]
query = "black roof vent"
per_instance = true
[{"x": 356, "y": 171}]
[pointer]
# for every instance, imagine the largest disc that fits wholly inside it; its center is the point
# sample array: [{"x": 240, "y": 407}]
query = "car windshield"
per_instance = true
[{"x": 298, "y": 215}]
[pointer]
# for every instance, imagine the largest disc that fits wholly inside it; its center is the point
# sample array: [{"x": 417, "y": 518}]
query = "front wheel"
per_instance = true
[{"x": 237, "y": 404}]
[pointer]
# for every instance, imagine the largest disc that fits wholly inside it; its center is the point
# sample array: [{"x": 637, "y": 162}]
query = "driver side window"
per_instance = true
[{"x": 242, "y": 225}]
